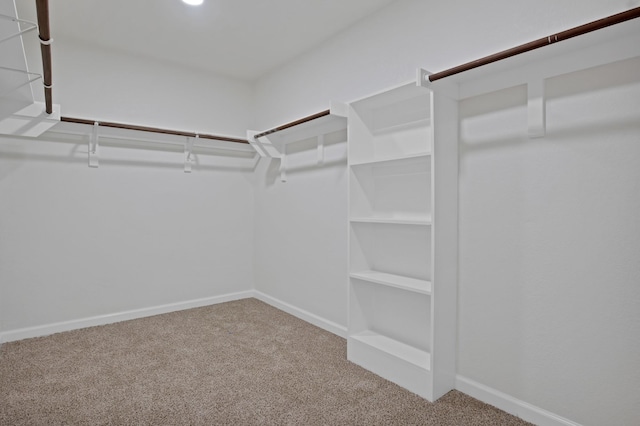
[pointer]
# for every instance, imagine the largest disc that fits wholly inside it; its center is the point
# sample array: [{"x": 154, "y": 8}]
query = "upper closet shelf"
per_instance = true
[
  {"x": 273, "y": 142},
  {"x": 96, "y": 134},
  {"x": 600, "y": 42},
  {"x": 387, "y": 101}
]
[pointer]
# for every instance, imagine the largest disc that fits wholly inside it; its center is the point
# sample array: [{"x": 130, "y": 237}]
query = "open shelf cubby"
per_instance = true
[
  {"x": 402, "y": 250},
  {"x": 395, "y": 124},
  {"x": 396, "y": 189},
  {"x": 390, "y": 315},
  {"x": 402, "y": 351},
  {"x": 389, "y": 334}
]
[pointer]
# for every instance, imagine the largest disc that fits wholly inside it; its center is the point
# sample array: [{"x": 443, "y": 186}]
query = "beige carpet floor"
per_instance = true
[{"x": 236, "y": 363}]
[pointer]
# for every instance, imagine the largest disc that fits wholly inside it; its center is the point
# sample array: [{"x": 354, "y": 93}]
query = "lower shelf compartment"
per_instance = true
[
  {"x": 397, "y": 362},
  {"x": 400, "y": 350}
]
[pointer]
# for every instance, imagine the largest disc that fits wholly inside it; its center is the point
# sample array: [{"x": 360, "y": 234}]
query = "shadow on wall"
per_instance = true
[
  {"x": 506, "y": 106},
  {"x": 585, "y": 83},
  {"x": 602, "y": 83},
  {"x": 16, "y": 151},
  {"x": 119, "y": 152},
  {"x": 302, "y": 157}
]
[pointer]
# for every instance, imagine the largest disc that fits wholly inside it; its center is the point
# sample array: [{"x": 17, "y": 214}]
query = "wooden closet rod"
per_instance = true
[
  {"x": 536, "y": 44},
  {"x": 151, "y": 129},
  {"x": 42, "y": 8},
  {"x": 293, "y": 123}
]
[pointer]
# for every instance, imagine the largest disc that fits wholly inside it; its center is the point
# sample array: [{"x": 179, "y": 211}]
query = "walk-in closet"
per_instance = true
[{"x": 319, "y": 212}]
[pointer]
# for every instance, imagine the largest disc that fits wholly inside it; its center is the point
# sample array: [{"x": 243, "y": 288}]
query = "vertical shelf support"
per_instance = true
[
  {"x": 536, "y": 113},
  {"x": 263, "y": 146},
  {"x": 283, "y": 164},
  {"x": 94, "y": 146},
  {"x": 255, "y": 143},
  {"x": 188, "y": 153},
  {"x": 320, "y": 150}
]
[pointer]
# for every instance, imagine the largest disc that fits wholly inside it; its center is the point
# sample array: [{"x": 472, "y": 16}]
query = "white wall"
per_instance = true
[
  {"x": 387, "y": 47},
  {"x": 548, "y": 272},
  {"x": 300, "y": 245},
  {"x": 549, "y": 238},
  {"x": 137, "y": 232},
  {"x": 97, "y": 83},
  {"x": 78, "y": 242}
]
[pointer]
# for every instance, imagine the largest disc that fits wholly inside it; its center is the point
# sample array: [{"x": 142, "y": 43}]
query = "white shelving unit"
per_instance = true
[{"x": 402, "y": 238}]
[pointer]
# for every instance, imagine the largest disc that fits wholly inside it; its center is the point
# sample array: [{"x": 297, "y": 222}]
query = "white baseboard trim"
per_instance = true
[
  {"x": 314, "y": 319},
  {"x": 45, "y": 330},
  {"x": 511, "y": 405}
]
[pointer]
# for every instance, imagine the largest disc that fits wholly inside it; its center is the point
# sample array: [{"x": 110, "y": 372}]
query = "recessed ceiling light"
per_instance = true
[{"x": 193, "y": 2}]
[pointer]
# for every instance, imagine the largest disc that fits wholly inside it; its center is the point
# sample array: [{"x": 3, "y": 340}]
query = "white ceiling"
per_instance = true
[{"x": 240, "y": 38}]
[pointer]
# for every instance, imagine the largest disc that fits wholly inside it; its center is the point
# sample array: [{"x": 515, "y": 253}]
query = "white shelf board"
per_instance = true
[
  {"x": 390, "y": 96},
  {"x": 418, "y": 156},
  {"x": 305, "y": 131},
  {"x": 392, "y": 280},
  {"x": 393, "y": 347},
  {"x": 392, "y": 220},
  {"x": 610, "y": 44},
  {"x": 114, "y": 134},
  {"x": 425, "y": 122}
]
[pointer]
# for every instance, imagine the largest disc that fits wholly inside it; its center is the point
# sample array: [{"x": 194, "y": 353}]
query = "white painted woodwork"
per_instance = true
[
  {"x": 274, "y": 145},
  {"x": 397, "y": 221},
  {"x": 402, "y": 292},
  {"x": 152, "y": 140},
  {"x": 394, "y": 124},
  {"x": 94, "y": 146},
  {"x": 610, "y": 44},
  {"x": 444, "y": 186},
  {"x": 379, "y": 190},
  {"x": 398, "y": 349},
  {"x": 393, "y": 280},
  {"x": 391, "y": 248}
]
